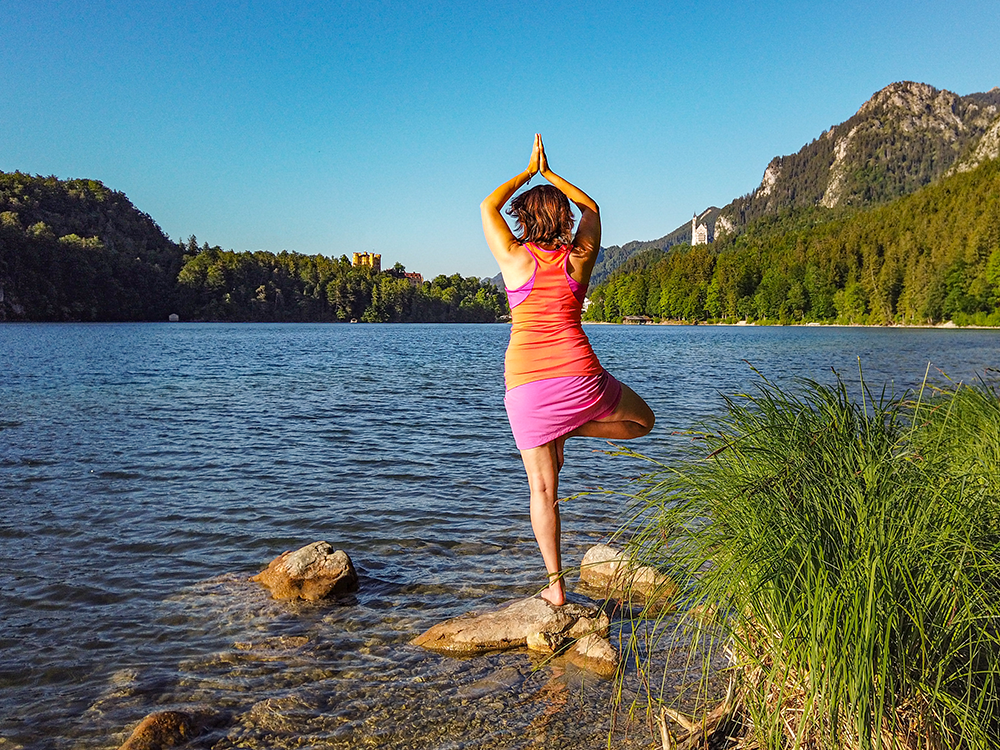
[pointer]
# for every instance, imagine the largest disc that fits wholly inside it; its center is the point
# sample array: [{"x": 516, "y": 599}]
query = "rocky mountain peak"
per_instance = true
[
  {"x": 909, "y": 97},
  {"x": 905, "y": 136}
]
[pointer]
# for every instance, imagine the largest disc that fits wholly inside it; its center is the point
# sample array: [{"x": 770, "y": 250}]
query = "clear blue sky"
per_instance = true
[{"x": 326, "y": 127}]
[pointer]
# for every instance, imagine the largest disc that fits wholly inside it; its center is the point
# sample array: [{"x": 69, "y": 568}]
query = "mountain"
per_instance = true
[{"x": 903, "y": 138}]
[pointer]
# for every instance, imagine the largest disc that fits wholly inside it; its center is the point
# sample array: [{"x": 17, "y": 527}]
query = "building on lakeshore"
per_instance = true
[
  {"x": 702, "y": 234},
  {"x": 368, "y": 260}
]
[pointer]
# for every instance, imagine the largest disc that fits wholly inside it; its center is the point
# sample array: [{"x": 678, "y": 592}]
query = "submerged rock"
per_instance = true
[
  {"x": 504, "y": 680},
  {"x": 284, "y": 715},
  {"x": 311, "y": 573},
  {"x": 613, "y": 573},
  {"x": 595, "y": 654},
  {"x": 531, "y": 623},
  {"x": 274, "y": 643}
]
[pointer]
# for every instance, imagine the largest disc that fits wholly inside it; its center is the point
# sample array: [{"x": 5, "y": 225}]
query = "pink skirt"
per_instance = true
[{"x": 544, "y": 410}]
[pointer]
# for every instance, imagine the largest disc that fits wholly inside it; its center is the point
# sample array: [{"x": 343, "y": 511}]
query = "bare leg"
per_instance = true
[
  {"x": 632, "y": 418},
  {"x": 542, "y": 467}
]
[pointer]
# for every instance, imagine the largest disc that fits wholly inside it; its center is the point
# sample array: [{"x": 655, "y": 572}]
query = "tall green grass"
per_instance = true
[{"x": 846, "y": 553}]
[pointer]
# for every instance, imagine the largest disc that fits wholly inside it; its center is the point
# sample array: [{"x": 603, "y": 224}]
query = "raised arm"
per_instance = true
[
  {"x": 588, "y": 233},
  {"x": 498, "y": 235}
]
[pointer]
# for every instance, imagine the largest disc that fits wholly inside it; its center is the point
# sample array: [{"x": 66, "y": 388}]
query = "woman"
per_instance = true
[{"x": 556, "y": 387}]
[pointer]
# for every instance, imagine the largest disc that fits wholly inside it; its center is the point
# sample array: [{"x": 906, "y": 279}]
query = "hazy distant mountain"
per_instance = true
[{"x": 611, "y": 258}]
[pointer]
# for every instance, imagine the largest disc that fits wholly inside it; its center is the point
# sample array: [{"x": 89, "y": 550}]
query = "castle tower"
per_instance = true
[
  {"x": 701, "y": 234},
  {"x": 368, "y": 260}
]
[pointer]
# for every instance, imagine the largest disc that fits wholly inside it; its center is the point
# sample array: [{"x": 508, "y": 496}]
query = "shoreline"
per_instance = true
[{"x": 948, "y": 326}]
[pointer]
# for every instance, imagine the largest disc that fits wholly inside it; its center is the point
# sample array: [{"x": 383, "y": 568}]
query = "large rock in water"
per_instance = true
[
  {"x": 532, "y": 623},
  {"x": 613, "y": 573},
  {"x": 311, "y": 573},
  {"x": 594, "y": 653},
  {"x": 163, "y": 729}
]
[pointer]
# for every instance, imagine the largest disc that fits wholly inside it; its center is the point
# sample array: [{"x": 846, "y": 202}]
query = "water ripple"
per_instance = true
[{"x": 147, "y": 471}]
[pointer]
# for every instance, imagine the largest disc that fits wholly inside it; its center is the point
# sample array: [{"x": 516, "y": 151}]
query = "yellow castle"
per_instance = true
[{"x": 368, "y": 260}]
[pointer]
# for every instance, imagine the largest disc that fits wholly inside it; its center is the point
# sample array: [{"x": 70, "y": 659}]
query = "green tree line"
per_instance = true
[
  {"x": 74, "y": 250},
  {"x": 216, "y": 284},
  {"x": 928, "y": 257}
]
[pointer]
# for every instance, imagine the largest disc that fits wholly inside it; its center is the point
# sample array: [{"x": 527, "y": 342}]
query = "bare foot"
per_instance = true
[{"x": 554, "y": 593}]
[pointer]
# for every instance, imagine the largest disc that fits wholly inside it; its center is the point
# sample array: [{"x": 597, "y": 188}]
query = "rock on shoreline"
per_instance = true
[
  {"x": 576, "y": 630},
  {"x": 524, "y": 623},
  {"x": 311, "y": 573},
  {"x": 613, "y": 574}
]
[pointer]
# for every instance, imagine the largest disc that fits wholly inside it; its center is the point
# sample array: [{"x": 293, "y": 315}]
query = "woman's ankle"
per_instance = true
[{"x": 555, "y": 592}]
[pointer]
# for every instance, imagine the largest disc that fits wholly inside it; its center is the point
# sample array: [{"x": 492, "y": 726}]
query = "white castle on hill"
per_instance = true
[{"x": 702, "y": 234}]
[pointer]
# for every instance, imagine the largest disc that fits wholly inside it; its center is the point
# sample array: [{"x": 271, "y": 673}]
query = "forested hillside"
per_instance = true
[
  {"x": 928, "y": 257},
  {"x": 74, "y": 250},
  {"x": 902, "y": 139}
]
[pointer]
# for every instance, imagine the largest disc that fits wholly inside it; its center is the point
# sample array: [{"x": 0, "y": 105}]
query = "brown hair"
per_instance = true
[{"x": 543, "y": 216}]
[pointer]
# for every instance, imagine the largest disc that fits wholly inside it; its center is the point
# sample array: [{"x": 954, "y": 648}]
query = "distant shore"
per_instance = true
[{"x": 949, "y": 325}]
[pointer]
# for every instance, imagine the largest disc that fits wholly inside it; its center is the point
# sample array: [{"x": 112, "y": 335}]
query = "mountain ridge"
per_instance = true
[
  {"x": 905, "y": 136},
  {"x": 611, "y": 258}
]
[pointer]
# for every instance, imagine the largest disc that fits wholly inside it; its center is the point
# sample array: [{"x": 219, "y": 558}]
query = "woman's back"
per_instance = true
[{"x": 547, "y": 338}]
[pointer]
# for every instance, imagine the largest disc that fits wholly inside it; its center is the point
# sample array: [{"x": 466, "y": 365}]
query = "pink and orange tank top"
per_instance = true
[{"x": 546, "y": 337}]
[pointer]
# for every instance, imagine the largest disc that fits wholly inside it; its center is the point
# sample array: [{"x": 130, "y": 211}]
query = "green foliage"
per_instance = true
[
  {"x": 846, "y": 553},
  {"x": 224, "y": 285},
  {"x": 904, "y": 138},
  {"x": 75, "y": 250},
  {"x": 926, "y": 258}
]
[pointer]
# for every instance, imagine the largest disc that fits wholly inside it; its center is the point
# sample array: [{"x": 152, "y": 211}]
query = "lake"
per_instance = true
[{"x": 147, "y": 470}]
